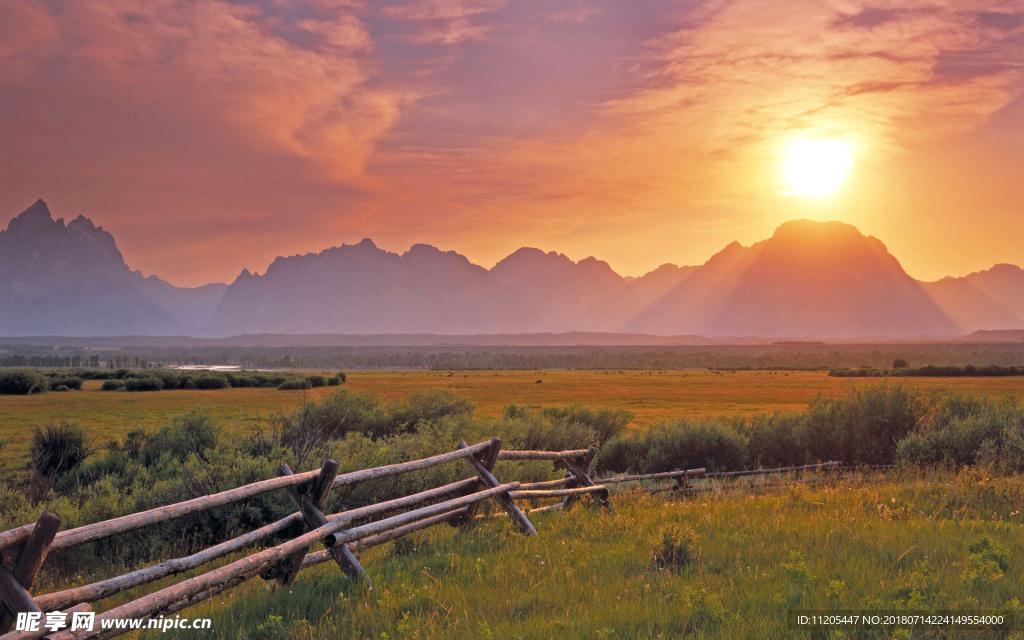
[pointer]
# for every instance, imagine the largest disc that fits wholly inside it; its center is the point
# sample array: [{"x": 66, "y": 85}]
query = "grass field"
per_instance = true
[
  {"x": 650, "y": 395},
  {"x": 926, "y": 542}
]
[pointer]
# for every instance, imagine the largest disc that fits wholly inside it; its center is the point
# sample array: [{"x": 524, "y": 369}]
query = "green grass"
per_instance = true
[
  {"x": 906, "y": 543},
  {"x": 650, "y": 396}
]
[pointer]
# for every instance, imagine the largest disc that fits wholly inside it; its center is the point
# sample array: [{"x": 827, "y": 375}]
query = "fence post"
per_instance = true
[
  {"x": 488, "y": 459},
  {"x": 582, "y": 479},
  {"x": 311, "y": 505},
  {"x": 15, "y": 586},
  {"x": 585, "y": 461},
  {"x": 489, "y": 480}
]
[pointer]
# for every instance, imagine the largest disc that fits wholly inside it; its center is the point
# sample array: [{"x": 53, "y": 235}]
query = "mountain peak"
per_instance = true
[{"x": 816, "y": 231}]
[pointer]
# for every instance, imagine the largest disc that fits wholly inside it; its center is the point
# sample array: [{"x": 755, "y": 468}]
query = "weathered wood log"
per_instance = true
[
  {"x": 42, "y": 631},
  {"x": 583, "y": 462},
  {"x": 653, "y": 476},
  {"x": 511, "y": 454},
  {"x": 583, "y": 479},
  {"x": 99, "y": 530},
  {"x": 387, "y": 536},
  {"x": 550, "y": 507},
  {"x": 559, "y": 493},
  {"x": 250, "y": 566},
  {"x": 488, "y": 459},
  {"x": 14, "y": 596},
  {"x": 762, "y": 472},
  {"x": 15, "y": 537},
  {"x": 518, "y": 517},
  {"x": 33, "y": 554},
  {"x": 405, "y": 467},
  {"x": 105, "y": 588},
  {"x": 314, "y": 519},
  {"x": 108, "y": 528},
  {"x": 547, "y": 484}
]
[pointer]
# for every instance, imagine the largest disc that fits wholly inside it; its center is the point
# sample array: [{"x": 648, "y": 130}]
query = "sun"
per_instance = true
[{"x": 816, "y": 166}]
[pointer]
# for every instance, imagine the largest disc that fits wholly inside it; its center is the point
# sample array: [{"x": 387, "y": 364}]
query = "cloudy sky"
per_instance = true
[{"x": 213, "y": 135}]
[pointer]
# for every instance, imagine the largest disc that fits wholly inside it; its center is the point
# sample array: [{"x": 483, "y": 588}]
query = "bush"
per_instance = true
[
  {"x": 68, "y": 382},
  {"x": 143, "y": 384},
  {"x": 191, "y": 433},
  {"x": 294, "y": 384},
  {"x": 58, "y": 448},
  {"x": 605, "y": 423},
  {"x": 863, "y": 426},
  {"x": 674, "y": 548},
  {"x": 715, "y": 444},
  {"x": 209, "y": 382},
  {"x": 112, "y": 385},
  {"x": 317, "y": 381},
  {"x": 334, "y": 381},
  {"x": 774, "y": 441},
  {"x": 22, "y": 383}
]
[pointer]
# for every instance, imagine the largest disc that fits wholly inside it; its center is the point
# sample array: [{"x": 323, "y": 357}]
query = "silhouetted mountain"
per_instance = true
[
  {"x": 71, "y": 280},
  {"x": 817, "y": 279},
  {"x": 809, "y": 280}
]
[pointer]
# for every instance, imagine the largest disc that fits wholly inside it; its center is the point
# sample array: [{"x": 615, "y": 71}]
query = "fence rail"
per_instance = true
[{"x": 23, "y": 550}]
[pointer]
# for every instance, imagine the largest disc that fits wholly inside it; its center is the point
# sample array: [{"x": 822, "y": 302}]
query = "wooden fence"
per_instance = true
[{"x": 23, "y": 550}]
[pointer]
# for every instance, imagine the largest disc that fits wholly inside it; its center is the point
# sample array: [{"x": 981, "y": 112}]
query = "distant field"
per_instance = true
[{"x": 650, "y": 396}]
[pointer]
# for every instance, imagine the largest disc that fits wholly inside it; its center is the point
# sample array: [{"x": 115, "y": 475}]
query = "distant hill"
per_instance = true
[
  {"x": 810, "y": 280},
  {"x": 71, "y": 280}
]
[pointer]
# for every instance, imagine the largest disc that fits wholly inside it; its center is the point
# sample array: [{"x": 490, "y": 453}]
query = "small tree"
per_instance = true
[{"x": 900, "y": 363}]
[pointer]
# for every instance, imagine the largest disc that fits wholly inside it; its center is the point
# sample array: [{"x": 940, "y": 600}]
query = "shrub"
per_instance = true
[
  {"x": 424, "y": 406},
  {"x": 143, "y": 384},
  {"x": 294, "y": 384},
  {"x": 22, "y": 383},
  {"x": 209, "y": 382},
  {"x": 863, "y": 426},
  {"x": 334, "y": 381},
  {"x": 191, "y": 433},
  {"x": 774, "y": 440},
  {"x": 112, "y": 385},
  {"x": 674, "y": 548},
  {"x": 68, "y": 382},
  {"x": 605, "y": 423},
  {"x": 715, "y": 444},
  {"x": 58, "y": 448},
  {"x": 317, "y": 381}
]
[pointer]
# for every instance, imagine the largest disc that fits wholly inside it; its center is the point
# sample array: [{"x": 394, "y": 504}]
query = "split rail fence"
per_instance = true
[{"x": 23, "y": 550}]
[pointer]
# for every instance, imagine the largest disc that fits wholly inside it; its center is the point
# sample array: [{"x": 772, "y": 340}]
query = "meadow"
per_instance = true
[
  {"x": 942, "y": 534},
  {"x": 650, "y": 396}
]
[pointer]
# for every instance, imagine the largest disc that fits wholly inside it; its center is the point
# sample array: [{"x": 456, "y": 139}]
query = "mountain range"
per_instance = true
[{"x": 810, "y": 280}]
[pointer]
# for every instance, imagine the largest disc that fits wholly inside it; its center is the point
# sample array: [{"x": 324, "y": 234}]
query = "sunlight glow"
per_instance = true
[{"x": 816, "y": 166}]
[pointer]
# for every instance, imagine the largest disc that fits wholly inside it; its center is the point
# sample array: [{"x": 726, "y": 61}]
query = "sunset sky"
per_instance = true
[{"x": 210, "y": 136}]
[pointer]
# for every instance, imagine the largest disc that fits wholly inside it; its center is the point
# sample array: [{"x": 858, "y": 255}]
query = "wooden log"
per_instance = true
[
  {"x": 583, "y": 479},
  {"x": 14, "y": 596},
  {"x": 105, "y": 588},
  {"x": 387, "y": 536},
  {"x": 33, "y": 554},
  {"x": 652, "y": 476},
  {"x": 43, "y": 631},
  {"x": 518, "y": 517},
  {"x": 405, "y": 467},
  {"x": 583, "y": 462},
  {"x": 762, "y": 472},
  {"x": 403, "y": 502},
  {"x": 14, "y": 537},
  {"x": 547, "y": 484},
  {"x": 558, "y": 493},
  {"x": 246, "y": 568},
  {"x": 488, "y": 459},
  {"x": 314, "y": 519},
  {"x": 99, "y": 530},
  {"x": 510, "y": 454},
  {"x": 550, "y": 507}
]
